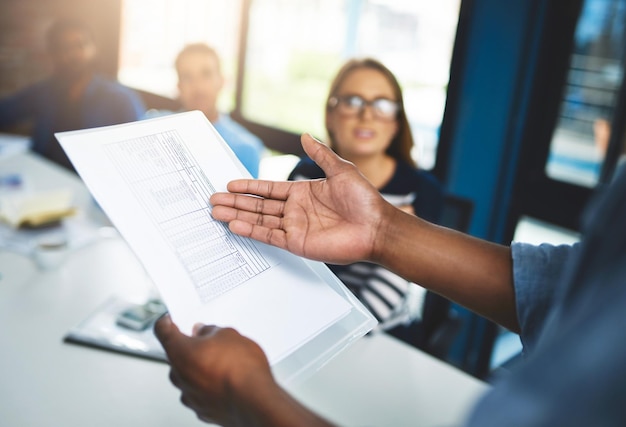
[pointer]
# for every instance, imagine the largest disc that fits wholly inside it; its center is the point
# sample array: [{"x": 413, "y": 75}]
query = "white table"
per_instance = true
[{"x": 378, "y": 381}]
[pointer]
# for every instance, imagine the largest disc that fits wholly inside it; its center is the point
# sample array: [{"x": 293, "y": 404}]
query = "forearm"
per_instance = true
[{"x": 472, "y": 272}]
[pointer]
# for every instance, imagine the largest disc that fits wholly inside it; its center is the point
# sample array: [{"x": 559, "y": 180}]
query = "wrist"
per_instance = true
[
  {"x": 243, "y": 404},
  {"x": 259, "y": 401},
  {"x": 384, "y": 230}
]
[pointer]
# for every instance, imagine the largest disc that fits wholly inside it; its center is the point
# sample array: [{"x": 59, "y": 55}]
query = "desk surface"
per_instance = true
[{"x": 378, "y": 381}]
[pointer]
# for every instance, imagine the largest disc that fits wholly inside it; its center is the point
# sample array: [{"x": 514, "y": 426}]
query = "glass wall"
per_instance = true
[
  {"x": 296, "y": 46},
  {"x": 596, "y": 70},
  {"x": 154, "y": 31}
]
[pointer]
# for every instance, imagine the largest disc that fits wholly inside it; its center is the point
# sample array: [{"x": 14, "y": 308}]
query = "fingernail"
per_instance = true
[{"x": 314, "y": 138}]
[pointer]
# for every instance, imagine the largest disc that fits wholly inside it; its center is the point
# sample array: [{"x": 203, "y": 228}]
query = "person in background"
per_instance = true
[
  {"x": 367, "y": 125},
  {"x": 73, "y": 97},
  {"x": 566, "y": 302},
  {"x": 602, "y": 136},
  {"x": 200, "y": 81}
]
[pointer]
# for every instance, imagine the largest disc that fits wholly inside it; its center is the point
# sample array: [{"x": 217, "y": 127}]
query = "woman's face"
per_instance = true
[{"x": 362, "y": 132}]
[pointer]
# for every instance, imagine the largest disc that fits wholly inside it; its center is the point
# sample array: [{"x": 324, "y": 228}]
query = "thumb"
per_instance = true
[
  {"x": 167, "y": 332},
  {"x": 321, "y": 154}
]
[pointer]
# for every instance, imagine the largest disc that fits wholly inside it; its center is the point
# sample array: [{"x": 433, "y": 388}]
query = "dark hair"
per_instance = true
[
  {"x": 61, "y": 26},
  {"x": 402, "y": 142},
  {"x": 202, "y": 48}
]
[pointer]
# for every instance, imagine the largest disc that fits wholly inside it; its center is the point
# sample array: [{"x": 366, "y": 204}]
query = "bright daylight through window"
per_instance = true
[
  {"x": 294, "y": 48},
  {"x": 154, "y": 31},
  {"x": 596, "y": 69}
]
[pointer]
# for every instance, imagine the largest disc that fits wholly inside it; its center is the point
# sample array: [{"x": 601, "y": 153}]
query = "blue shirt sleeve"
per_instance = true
[
  {"x": 536, "y": 272},
  {"x": 576, "y": 375},
  {"x": 21, "y": 105},
  {"x": 571, "y": 304}
]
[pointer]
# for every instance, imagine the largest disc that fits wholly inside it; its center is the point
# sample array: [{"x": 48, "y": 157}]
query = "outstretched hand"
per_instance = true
[{"x": 336, "y": 219}]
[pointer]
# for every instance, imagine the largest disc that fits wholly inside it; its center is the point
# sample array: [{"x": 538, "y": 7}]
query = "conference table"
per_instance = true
[{"x": 44, "y": 381}]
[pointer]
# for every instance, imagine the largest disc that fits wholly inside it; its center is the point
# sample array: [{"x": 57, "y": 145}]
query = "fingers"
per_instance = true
[
  {"x": 165, "y": 330},
  {"x": 174, "y": 342},
  {"x": 272, "y": 236},
  {"x": 200, "y": 329},
  {"x": 175, "y": 379},
  {"x": 250, "y": 203},
  {"x": 275, "y": 190},
  {"x": 258, "y": 227},
  {"x": 251, "y": 217},
  {"x": 226, "y": 214}
]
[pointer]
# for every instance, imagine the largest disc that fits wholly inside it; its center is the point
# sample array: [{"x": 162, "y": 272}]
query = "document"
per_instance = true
[{"x": 153, "y": 179}]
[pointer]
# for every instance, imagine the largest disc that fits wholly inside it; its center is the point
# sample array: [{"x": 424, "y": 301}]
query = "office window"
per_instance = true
[
  {"x": 154, "y": 31},
  {"x": 535, "y": 231},
  {"x": 596, "y": 73},
  {"x": 296, "y": 46}
]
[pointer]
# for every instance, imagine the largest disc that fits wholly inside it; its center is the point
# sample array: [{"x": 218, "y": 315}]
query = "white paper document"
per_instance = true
[{"x": 153, "y": 179}]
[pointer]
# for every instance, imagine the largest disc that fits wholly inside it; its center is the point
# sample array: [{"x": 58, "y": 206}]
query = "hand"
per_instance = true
[
  {"x": 211, "y": 366},
  {"x": 334, "y": 220}
]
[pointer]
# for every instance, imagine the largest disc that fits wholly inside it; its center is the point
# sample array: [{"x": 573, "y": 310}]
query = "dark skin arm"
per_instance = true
[
  {"x": 225, "y": 378},
  {"x": 303, "y": 216}
]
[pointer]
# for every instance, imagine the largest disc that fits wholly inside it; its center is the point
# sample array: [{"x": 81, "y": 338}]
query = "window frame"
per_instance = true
[
  {"x": 281, "y": 140},
  {"x": 535, "y": 193}
]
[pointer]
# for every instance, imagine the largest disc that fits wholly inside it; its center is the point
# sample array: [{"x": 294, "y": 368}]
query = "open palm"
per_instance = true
[{"x": 334, "y": 220}]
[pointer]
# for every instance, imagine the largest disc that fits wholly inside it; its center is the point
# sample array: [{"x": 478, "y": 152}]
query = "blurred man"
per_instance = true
[
  {"x": 73, "y": 97},
  {"x": 200, "y": 81}
]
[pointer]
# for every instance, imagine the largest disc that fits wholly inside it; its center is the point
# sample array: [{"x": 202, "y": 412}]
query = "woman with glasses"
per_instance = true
[{"x": 367, "y": 125}]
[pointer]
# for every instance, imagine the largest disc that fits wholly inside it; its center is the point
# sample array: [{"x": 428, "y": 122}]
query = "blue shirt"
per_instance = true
[
  {"x": 247, "y": 147},
  {"x": 46, "y": 103},
  {"x": 571, "y": 304}
]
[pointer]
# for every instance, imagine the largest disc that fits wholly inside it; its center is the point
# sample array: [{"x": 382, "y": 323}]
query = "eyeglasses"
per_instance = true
[{"x": 352, "y": 105}]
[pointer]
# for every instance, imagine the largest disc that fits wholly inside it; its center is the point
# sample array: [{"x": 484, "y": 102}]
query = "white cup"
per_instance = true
[{"x": 50, "y": 251}]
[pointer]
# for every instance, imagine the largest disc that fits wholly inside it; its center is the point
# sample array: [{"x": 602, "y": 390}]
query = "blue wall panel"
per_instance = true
[{"x": 488, "y": 107}]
